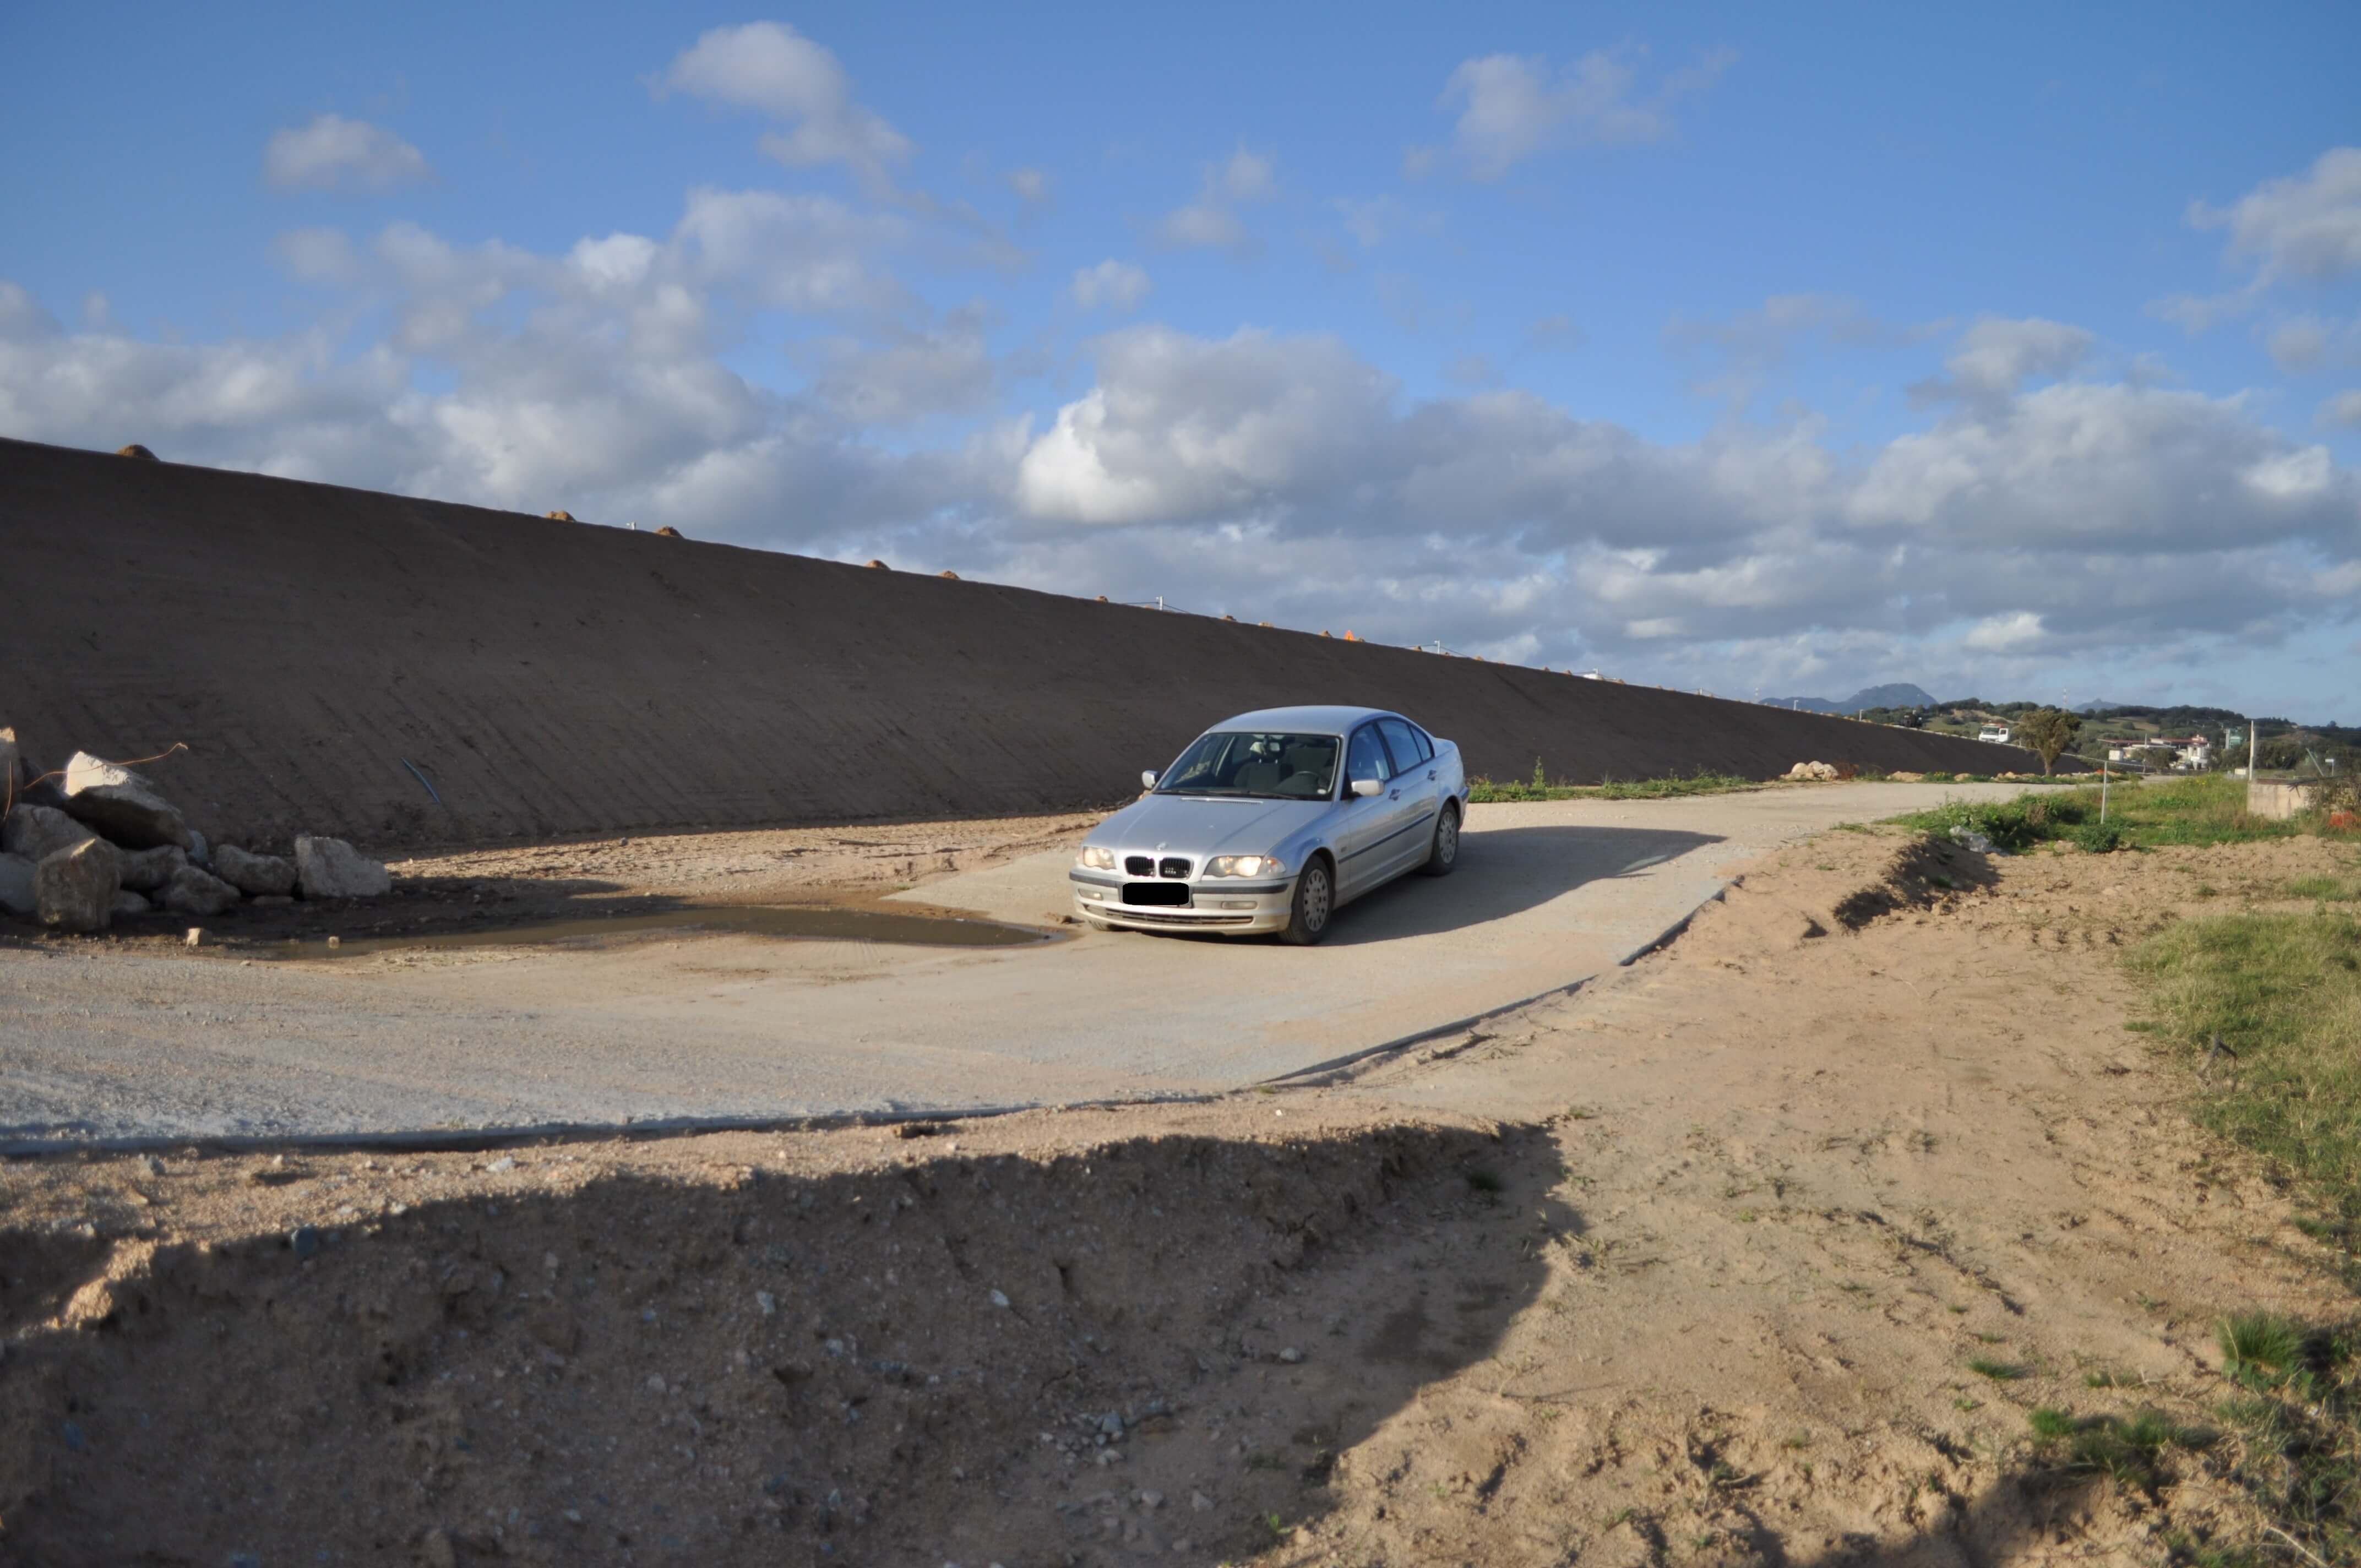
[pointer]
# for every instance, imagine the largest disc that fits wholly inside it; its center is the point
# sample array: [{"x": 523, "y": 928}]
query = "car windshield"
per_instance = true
[{"x": 1259, "y": 764}]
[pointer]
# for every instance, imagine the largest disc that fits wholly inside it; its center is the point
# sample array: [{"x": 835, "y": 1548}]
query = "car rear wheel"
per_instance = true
[
  {"x": 1313, "y": 905},
  {"x": 1444, "y": 853}
]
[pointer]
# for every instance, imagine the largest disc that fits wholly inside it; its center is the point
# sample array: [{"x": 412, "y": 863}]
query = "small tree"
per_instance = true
[{"x": 2048, "y": 731}]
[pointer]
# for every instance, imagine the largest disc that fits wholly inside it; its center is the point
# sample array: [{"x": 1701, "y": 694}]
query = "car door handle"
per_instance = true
[
  {"x": 1430, "y": 773},
  {"x": 1395, "y": 796}
]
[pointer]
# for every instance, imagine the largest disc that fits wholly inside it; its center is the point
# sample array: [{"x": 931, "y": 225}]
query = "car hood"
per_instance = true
[{"x": 1196, "y": 825}]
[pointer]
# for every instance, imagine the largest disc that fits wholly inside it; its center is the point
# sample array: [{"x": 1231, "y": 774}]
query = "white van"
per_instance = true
[{"x": 1995, "y": 733}]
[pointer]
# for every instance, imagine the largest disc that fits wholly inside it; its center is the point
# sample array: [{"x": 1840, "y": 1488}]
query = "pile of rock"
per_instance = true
[
  {"x": 1822, "y": 771},
  {"x": 105, "y": 844}
]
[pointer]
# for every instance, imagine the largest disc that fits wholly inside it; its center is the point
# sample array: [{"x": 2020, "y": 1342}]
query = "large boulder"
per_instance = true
[
  {"x": 121, "y": 804},
  {"x": 74, "y": 888},
  {"x": 16, "y": 884},
  {"x": 330, "y": 868},
  {"x": 129, "y": 903},
  {"x": 145, "y": 870},
  {"x": 192, "y": 891},
  {"x": 37, "y": 832},
  {"x": 257, "y": 875}
]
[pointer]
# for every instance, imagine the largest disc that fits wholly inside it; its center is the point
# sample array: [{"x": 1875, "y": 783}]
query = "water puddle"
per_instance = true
[{"x": 806, "y": 923}]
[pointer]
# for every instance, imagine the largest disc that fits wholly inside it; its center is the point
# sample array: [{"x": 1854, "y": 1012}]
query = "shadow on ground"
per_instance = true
[{"x": 965, "y": 1359}]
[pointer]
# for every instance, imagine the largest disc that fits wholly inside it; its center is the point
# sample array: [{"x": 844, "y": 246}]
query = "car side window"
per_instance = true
[
  {"x": 1366, "y": 758},
  {"x": 1402, "y": 739}
]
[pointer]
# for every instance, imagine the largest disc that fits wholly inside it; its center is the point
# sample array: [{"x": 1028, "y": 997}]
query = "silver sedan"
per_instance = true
[{"x": 1272, "y": 821}]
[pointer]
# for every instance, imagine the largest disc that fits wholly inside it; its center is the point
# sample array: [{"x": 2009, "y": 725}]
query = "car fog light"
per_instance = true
[
  {"x": 1237, "y": 904},
  {"x": 1245, "y": 865},
  {"x": 1094, "y": 893}
]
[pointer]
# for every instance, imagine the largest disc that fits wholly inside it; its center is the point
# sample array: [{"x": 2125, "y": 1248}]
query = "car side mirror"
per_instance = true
[
  {"x": 1365, "y": 788},
  {"x": 1148, "y": 778}
]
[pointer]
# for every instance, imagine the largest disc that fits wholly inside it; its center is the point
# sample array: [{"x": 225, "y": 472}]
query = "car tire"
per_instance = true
[
  {"x": 1313, "y": 908},
  {"x": 1444, "y": 853}
]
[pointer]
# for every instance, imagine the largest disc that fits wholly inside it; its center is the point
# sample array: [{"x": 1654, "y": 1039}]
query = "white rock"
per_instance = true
[
  {"x": 16, "y": 884},
  {"x": 999, "y": 1298},
  {"x": 74, "y": 888},
  {"x": 330, "y": 868},
  {"x": 12, "y": 783},
  {"x": 145, "y": 870},
  {"x": 121, "y": 804},
  {"x": 195, "y": 892},
  {"x": 37, "y": 832},
  {"x": 252, "y": 873}
]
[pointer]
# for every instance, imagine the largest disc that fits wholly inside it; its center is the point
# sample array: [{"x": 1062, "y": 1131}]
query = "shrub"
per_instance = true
[{"x": 2098, "y": 838}]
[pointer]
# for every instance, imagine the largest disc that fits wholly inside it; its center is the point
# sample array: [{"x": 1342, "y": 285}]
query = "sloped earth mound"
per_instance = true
[{"x": 970, "y": 1348}]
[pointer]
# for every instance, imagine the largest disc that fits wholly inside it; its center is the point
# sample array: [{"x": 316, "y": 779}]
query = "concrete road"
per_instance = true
[{"x": 99, "y": 1045}]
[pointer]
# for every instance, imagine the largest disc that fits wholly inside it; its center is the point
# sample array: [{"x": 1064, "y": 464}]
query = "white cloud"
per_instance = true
[
  {"x": 2343, "y": 409},
  {"x": 1995, "y": 357},
  {"x": 2303, "y": 226},
  {"x": 1512, "y": 106},
  {"x": 1031, "y": 185},
  {"x": 2298, "y": 344},
  {"x": 1118, "y": 285},
  {"x": 773, "y": 70},
  {"x": 1284, "y": 477},
  {"x": 335, "y": 153},
  {"x": 1211, "y": 222}
]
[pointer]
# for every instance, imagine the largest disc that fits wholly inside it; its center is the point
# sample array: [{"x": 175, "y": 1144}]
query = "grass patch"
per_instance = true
[
  {"x": 1998, "y": 1371},
  {"x": 2283, "y": 991},
  {"x": 2128, "y": 1449},
  {"x": 1485, "y": 792},
  {"x": 2208, "y": 809},
  {"x": 2298, "y": 1425},
  {"x": 2327, "y": 889}
]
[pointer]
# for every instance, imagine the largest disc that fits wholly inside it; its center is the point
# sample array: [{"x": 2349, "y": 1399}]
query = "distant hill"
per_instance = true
[{"x": 1900, "y": 694}]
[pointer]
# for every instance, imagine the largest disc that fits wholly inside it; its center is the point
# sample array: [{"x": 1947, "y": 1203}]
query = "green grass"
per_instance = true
[
  {"x": 2208, "y": 809},
  {"x": 2297, "y": 1421},
  {"x": 2325, "y": 888},
  {"x": 2284, "y": 993},
  {"x": 1486, "y": 792},
  {"x": 1998, "y": 1371},
  {"x": 2128, "y": 1449}
]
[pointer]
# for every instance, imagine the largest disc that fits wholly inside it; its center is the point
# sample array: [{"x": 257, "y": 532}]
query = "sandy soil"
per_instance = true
[
  {"x": 465, "y": 890},
  {"x": 1686, "y": 1267}
]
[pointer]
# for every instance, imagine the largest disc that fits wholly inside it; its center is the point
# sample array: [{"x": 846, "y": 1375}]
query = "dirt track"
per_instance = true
[
  {"x": 313, "y": 644},
  {"x": 1686, "y": 1268}
]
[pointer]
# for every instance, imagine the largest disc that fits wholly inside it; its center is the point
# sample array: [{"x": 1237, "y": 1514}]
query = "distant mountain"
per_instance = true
[{"x": 1899, "y": 695}]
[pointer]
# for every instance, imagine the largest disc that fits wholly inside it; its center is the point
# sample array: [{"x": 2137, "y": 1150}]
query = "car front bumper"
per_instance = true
[{"x": 1217, "y": 906}]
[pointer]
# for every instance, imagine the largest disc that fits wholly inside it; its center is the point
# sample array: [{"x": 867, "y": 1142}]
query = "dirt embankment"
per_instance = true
[
  {"x": 1760, "y": 1251},
  {"x": 314, "y": 645}
]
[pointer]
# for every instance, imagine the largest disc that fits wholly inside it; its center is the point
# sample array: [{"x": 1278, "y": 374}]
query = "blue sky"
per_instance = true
[{"x": 1719, "y": 348}]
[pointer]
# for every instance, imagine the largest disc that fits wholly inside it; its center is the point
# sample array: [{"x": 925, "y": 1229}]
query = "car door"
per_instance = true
[
  {"x": 1419, "y": 792},
  {"x": 1361, "y": 848}
]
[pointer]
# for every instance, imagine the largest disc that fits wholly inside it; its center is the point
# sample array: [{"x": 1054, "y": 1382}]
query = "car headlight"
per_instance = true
[
  {"x": 1095, "y": 859},
  {"x": 1245, "y": 865}
]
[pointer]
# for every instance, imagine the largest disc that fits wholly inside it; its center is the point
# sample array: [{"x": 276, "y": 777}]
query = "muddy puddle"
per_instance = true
[{"x": 806, "y": 923}]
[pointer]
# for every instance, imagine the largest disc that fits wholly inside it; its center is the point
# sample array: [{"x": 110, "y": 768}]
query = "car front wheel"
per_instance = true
[
  {"x": 1314, "y": 902},
  {"x": 1444, "y": 853}
]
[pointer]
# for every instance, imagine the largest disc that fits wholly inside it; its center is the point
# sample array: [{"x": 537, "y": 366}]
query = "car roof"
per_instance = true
[{"x": 1318, "y": 720}]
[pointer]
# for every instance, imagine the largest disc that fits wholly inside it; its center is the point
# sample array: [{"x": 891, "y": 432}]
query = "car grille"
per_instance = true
[{"x": 1172, "y": 867}]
